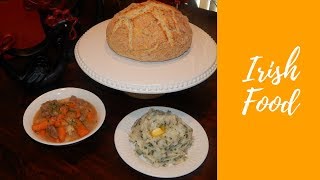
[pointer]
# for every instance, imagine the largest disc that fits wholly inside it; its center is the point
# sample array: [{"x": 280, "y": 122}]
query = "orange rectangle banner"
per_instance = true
[{"x": 268, "y": 92}]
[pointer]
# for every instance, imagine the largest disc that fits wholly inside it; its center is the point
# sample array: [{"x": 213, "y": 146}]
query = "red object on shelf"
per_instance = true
[{"x": 25, "y": 26}]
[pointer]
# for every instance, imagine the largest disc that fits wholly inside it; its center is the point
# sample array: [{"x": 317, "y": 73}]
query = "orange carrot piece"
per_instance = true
[
  {"x": 40, "y": 126},
  {"x": 81, "y": 129},
  {"x": 52, "y": 139},
  {"x": 62, "y": 133},
  {"x": 42, "y": 133},
  {"x": 90, "y": 116},
  {"x": 57, "y": 123}
]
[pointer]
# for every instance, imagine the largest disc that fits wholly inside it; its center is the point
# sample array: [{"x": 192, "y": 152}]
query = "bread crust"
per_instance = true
[{"x": 149, "y": 31}]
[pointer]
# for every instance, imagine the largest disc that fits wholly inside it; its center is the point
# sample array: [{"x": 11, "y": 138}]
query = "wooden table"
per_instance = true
[{"x": 96, "y": 157}]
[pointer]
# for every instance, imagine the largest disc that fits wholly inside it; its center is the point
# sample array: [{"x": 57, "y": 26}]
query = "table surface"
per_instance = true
[{"x": 96, "y": 157}]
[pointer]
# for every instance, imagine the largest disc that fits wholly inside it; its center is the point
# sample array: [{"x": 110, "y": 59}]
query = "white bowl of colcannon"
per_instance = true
[{"x": 161, "y": 141}]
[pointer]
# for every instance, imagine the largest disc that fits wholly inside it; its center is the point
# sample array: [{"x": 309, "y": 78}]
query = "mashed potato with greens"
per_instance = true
[{"x": 162, "y": 138}]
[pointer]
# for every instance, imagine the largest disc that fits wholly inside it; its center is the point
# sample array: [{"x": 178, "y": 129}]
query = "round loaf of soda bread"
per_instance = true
[{"x": 149, "y": 31}]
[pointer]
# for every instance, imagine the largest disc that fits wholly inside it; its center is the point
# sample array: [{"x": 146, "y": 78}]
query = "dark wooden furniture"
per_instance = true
[{"x": 96, "y": 157}]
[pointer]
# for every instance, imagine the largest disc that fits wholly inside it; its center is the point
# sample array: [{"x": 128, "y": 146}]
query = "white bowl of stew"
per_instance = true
[{"x": 64, "y": 116}]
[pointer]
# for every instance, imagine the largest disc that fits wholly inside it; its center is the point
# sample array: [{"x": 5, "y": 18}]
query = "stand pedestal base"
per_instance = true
[{"x": 143, "y": 96}]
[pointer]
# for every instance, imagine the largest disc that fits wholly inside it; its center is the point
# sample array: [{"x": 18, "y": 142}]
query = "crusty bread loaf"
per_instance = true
[{"x": 149, "y": 31}]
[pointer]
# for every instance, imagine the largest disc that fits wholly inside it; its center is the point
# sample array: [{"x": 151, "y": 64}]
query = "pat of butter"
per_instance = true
[{"x": 157, "y": 132}]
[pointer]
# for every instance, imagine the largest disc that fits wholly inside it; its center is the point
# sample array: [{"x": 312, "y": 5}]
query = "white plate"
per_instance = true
[
  {"x": 196, "y": 154},
  {"x": 62, "y": 94},
  {"x": 103, "y": 65}
]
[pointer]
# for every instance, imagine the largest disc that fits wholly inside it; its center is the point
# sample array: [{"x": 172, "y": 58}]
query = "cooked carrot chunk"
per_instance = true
[
  {"x": 81, "y": 129},
  {"x": 62, "y": 133},
  {"x": 40, "y": 126}
]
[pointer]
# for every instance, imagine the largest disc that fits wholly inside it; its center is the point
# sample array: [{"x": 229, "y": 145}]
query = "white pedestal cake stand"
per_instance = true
[{"x": 145, "y": 79}]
